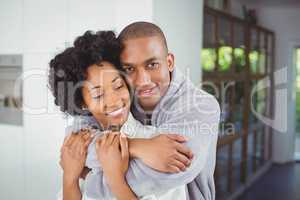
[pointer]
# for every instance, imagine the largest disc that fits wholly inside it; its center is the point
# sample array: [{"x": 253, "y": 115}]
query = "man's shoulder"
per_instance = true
[
  {"x": 189, "y": 93},
  {"x": 189, "y": 101}
]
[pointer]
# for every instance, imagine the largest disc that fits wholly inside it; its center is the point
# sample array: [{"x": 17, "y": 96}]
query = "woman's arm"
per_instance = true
[
  {"x": 112, "y": 152},
  {"x": 71, "y": 189},
  {"x": 73, "y": 156},
  {"x": 121, "y": 189}
]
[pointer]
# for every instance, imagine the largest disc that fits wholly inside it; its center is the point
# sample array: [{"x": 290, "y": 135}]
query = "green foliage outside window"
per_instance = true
[
  {"x": 208, "y": 59},
  {"x": 240, "y": 59},
  {"x": 253, "y": 58},
  {"x": 225, "y": 58}
]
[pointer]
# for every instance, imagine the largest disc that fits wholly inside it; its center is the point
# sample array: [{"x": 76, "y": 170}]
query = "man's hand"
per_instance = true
[{"x": 165, "y": 152}]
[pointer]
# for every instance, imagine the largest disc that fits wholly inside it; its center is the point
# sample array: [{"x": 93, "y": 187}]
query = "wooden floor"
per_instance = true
[{"x": 281, "y": 182}]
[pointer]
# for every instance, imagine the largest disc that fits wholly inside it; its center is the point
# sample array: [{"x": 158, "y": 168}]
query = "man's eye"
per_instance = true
[
  {"x": 153, "y": 65},
  {"x": 129, "y": 69}
]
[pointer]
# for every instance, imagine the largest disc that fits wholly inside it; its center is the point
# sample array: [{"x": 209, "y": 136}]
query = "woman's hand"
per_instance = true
[
  {"x": 173, "y": 157},
  {"x": 73, "y": 154},
  {"x": 112, "y": 152}
]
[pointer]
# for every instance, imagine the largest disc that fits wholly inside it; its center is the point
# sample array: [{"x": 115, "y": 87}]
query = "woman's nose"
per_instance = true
[{"x": 112, "y": 100}]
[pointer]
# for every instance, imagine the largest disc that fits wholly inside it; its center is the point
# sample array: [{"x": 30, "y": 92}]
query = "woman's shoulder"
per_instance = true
[{"x": 135, "y": 129}]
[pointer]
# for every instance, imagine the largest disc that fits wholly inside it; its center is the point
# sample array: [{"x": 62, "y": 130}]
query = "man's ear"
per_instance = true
[{"x": 170, "y": 60}]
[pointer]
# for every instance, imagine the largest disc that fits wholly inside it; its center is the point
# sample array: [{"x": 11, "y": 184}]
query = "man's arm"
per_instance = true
[{"x": 200, "y": 126}]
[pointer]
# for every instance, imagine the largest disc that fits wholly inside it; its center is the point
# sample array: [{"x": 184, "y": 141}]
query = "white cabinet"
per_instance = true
[
  {"x": 90, "y": 15},
  {"x": 45, "y": 25},
  {"x": 11, "y": 40},
  {"x": 43, "y": 131},
  {"x": 12, "y": 162},
  {"x": 32, "y": 26}
]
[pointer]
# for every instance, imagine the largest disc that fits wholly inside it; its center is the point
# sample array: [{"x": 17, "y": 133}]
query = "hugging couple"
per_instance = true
[{"x": 141, "y": 129}]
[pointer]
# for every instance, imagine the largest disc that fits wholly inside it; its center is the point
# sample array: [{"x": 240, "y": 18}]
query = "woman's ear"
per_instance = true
[{"x": 170, "y": 60}]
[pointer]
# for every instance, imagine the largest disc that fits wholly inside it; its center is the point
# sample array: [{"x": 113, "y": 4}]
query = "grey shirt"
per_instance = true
[{"x": 188, "y": 111}]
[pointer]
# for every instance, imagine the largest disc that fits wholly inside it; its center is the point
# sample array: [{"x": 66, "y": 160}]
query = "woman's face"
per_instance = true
[{"x": 106, "y": 95}]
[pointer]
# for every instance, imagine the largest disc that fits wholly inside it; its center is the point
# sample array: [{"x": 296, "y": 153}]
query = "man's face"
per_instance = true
[{"x": 148, "y": 66}]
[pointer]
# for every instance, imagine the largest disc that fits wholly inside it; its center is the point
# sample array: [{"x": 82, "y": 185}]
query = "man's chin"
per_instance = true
[{"x": 148, "y": 104}]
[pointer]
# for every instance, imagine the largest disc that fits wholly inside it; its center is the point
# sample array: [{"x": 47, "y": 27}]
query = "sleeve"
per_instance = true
[{"x": 199, "y": 122}]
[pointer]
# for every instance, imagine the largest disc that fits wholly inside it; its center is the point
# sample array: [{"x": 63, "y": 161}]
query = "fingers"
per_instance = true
[
  {"x": 100, "y": 141},
  {"x": 66, "y": 139},
  {"x": 178, "y": 138},
  {"x": 88, "y": 141},
  {"x": 116, "y": 142},
  {"x": 124, "y": 145},
  {"x": 72, "y": 137},
  {"x": 110, "y": 138},
  {"x": 173, "y": 169},
  {"x": 184, "y": 150},
  {"x": 183, "y": 159},
  {"x": 79, "y": 142},
  {"x": 178, "y": 165}
]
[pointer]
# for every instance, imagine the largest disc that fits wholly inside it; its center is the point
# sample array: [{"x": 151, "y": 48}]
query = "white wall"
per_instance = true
[
  {"x": 181, "y": 21},
  {"x": 39, "y": 29},
  {"x": 11, "y": 20},
  {"x": 12, "y": 162},
  {"x": 284, "y": 21}
]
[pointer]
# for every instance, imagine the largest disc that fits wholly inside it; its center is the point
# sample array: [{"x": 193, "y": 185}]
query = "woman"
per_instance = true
[{"x": 86, "y": 79}]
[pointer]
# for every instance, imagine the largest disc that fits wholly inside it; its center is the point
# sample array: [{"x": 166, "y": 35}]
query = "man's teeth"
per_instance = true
[
  {"x": 116, "y": 112},
  {"x": 146, "y": 91}
]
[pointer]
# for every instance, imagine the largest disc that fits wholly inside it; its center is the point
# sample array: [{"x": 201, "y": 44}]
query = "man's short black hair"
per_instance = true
[
  {"x": 69, "y": 68},
  {"x": 142, "y": 29}
]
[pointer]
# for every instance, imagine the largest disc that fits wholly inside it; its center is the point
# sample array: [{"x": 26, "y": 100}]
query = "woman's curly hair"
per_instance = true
[{"x": 69, "y": 68}]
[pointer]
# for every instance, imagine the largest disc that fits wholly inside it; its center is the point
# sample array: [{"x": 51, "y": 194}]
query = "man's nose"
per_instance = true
[{"x": 142, "y": 78}]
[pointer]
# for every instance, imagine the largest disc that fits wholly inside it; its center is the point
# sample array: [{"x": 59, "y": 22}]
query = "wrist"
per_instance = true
[
  {"x": 117, "y": 180},
  {"x": 136, "y": 147},
  {"x": 121, "y": 189},
  {"x": 70, "y": 180}
]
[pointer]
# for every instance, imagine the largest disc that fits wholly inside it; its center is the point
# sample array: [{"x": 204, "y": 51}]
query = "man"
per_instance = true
[{"x": 165, "y": 99}]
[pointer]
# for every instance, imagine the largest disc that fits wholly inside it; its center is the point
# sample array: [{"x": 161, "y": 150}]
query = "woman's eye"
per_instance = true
[
  {"x": 98, "y": 96},
  {"x": 119, "y": 86}
]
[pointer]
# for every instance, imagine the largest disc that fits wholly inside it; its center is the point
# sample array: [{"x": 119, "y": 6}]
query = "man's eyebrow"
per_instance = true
[
  {"x": 127, "y": 64},
  {"x": 149, "y": 60}
]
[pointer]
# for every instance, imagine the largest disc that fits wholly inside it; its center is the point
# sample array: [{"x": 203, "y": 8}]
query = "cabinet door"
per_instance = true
[
  {"x": 45, "y": 25},
  {"x": 12, "y": 162},
  {"x": 11, "y": 27},
  {"x": 43, "y": 131}
]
